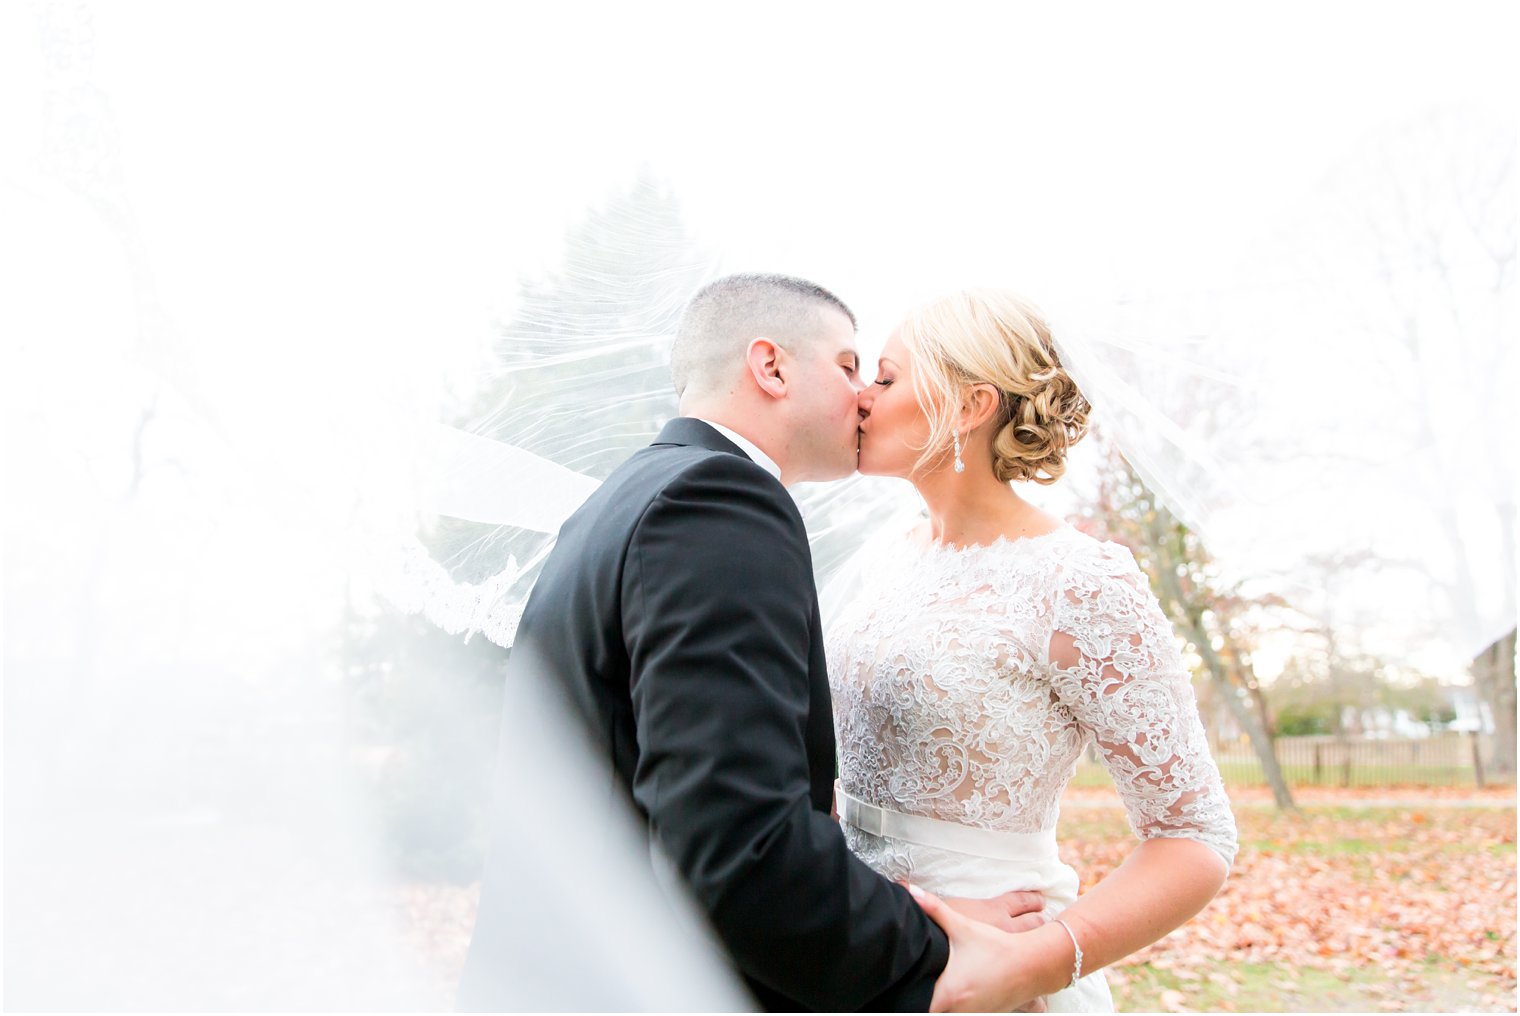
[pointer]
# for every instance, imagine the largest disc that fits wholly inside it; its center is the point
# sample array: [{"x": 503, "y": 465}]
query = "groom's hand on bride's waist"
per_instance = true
[{"x": 1013, "y": 911}]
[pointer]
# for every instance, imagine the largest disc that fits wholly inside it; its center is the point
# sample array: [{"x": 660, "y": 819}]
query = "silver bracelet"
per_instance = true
[{"x": 1076, "y": 970}]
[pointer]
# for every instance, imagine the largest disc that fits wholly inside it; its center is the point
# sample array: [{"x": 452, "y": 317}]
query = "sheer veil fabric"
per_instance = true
[{"x": 315, "y": 303}]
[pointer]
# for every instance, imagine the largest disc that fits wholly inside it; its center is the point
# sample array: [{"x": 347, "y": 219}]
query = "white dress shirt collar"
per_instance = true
[{"x": 763, "y": 460}]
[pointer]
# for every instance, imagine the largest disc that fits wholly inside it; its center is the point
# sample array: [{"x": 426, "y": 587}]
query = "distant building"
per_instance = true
[
  {"x": 1382, "y": 723},
  {"x": 1472, "y": 714}
]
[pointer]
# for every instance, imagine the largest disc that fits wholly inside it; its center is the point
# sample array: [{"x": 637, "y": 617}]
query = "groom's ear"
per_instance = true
[{"x": 763, "y": 359}]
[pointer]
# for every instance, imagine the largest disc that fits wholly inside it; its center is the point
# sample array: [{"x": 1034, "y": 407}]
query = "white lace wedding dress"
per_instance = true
[{"x": 966, "y": 684}]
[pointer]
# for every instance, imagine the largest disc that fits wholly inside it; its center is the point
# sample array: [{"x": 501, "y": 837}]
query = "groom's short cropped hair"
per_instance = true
[{"x": 726, "y": 314}]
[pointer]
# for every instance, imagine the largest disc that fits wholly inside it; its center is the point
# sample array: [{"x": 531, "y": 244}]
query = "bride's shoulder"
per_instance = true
[
  {"x": 899, "y": 532},
  {"x": 885, "y": 543},
  {"x": 1083, "y": 554}
]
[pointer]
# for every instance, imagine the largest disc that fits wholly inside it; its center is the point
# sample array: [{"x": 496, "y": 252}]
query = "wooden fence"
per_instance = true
[{"x": 1442, "y": 760}]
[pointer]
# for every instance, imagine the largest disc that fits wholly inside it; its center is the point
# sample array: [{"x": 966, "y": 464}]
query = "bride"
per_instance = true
[{"x": 986, "y": 647}]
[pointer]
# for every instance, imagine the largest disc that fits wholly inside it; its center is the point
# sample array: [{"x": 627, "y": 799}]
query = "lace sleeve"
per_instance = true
[{"x": 1115, "y": 664}]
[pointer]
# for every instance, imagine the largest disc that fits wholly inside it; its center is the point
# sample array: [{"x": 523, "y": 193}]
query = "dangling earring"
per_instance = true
[{"x": 960, "y": 467}]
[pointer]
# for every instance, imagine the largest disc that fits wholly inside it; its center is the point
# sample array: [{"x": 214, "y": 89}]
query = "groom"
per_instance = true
[{"x": 678, "y": 613}]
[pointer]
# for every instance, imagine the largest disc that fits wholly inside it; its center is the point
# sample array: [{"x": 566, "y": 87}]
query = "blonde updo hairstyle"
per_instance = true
[{"x": 993, "y": 337}]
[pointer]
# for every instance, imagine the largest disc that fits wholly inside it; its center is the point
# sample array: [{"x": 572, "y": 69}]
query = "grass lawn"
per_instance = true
[{"x": 1347, "y": 906}]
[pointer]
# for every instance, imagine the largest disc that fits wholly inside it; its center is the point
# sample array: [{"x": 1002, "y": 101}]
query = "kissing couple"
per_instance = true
[{"x": 981, "y": 652}]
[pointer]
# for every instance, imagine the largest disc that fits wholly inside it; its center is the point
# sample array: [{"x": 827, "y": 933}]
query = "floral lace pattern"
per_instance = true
[{"x": 967, "y": 682}]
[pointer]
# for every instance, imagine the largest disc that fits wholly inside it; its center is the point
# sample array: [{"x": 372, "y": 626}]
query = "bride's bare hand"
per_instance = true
[
  {"x": 1013, "y": 911},
  {"x": 1019, "y": 910}
]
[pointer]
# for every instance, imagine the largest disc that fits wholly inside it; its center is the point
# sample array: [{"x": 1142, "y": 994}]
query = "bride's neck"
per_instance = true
[{"x": 966, "y": 509}]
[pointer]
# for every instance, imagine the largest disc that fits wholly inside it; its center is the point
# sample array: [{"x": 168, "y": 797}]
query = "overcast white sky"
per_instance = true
[{"x": 401, "y": 156}]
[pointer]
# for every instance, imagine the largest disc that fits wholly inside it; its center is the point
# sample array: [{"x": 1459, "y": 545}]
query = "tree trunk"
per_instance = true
[
  {"x": 1245, "y": 716},
  {"x": 1494, "y": 679},
  {"x": 1242, "y": 668},
  {"x": 1193, "y": 628}
]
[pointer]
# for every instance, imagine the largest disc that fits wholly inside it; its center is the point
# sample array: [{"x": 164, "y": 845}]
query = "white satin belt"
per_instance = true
[{"x": 933, "y": 832}]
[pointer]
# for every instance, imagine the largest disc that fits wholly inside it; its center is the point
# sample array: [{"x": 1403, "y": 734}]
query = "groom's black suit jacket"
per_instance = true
[{"x": 679, "y": 613}]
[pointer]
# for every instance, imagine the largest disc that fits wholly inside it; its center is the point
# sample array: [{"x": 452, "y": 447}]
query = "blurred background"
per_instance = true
[{"x": 269, "y": 266}]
